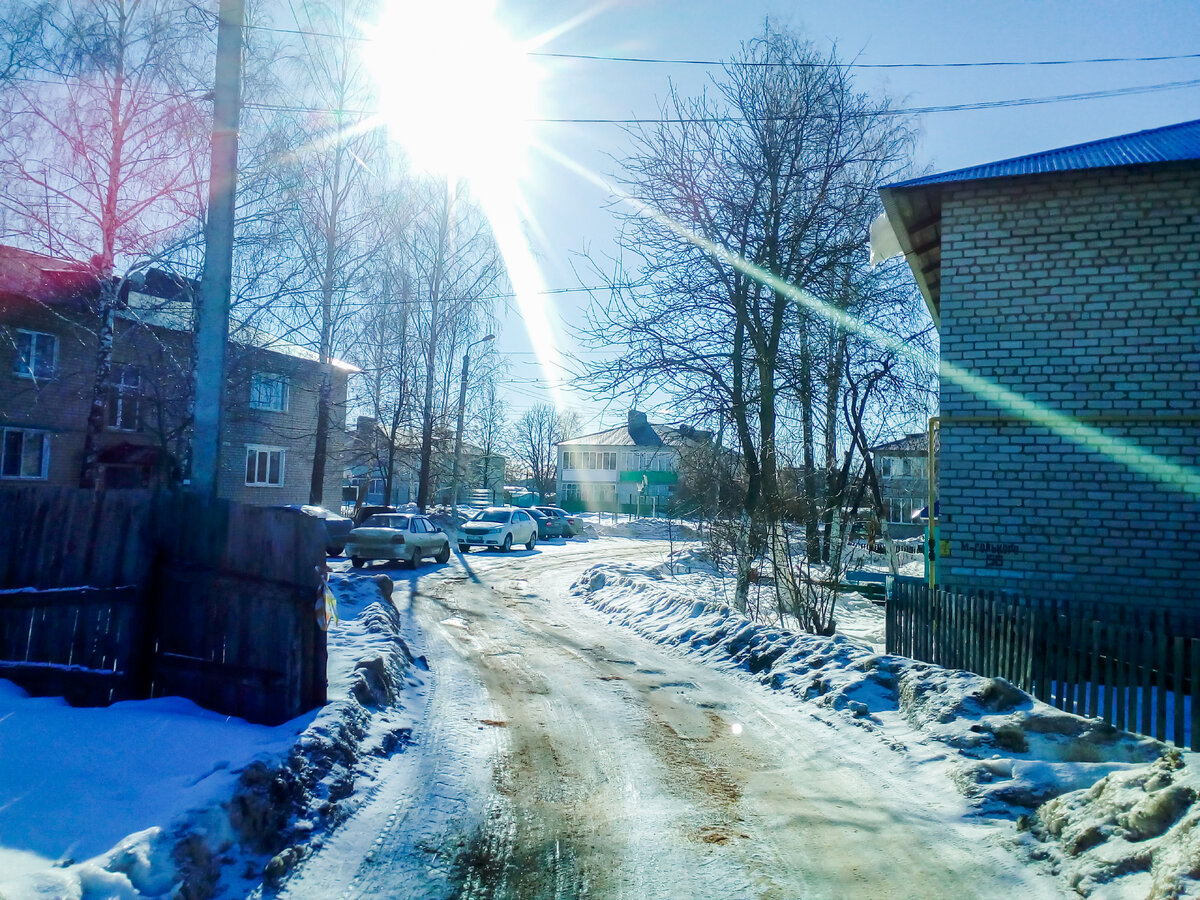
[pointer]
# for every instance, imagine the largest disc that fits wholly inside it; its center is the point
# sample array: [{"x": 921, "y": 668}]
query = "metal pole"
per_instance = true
[
  {"x": 458, "y": 434},
  {"x": 212, "y": 328}
]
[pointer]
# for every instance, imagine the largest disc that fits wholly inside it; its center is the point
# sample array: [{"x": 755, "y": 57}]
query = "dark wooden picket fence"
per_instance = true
[
  {"x": 1136, "y": 668},
  {"x": 119, "y": 595}
]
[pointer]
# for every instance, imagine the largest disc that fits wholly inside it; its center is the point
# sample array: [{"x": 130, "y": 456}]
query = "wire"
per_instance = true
[
  {"x": 653, "y": 60},
  {"x": 726, "y": 120}
]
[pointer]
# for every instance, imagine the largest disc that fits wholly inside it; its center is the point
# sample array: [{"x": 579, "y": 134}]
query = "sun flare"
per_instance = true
[{"x": 457, "y": 91}]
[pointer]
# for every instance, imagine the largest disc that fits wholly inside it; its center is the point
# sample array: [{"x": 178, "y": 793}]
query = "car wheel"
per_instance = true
[
  {"x": 507, "y": 545},
  {"x": 463, "y": 548},
  {"x": 414, "y": 558},
  {"x": 335, "y": 551},
  {"x": 443, "y": 555},
  {"x": 529, "y": 544},
  {"x": 356, "y": 561}
]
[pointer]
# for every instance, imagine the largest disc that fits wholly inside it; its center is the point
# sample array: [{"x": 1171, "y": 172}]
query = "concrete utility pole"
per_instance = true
[
  {"x": 212, "y": 329},
  {"x": 458, "y": 434}
]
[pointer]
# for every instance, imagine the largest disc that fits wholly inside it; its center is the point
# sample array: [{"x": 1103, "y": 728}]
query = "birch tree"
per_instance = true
[{"x": 103, "y": 151}]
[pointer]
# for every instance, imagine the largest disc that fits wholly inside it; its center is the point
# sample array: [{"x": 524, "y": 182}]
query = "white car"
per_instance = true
[{"x": 498, "y": 528}]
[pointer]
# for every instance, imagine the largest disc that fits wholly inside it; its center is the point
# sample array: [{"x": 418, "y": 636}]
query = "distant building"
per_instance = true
[
  {"x": 1066, "y": 288},
  {"x": 367, "y": 460},
  {"x": 48, "y": 346},
  {"x": 902, "y": 467},
  {"x": 616, "y": 469}
]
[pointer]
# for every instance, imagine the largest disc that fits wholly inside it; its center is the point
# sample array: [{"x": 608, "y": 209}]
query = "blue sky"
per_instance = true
[{"x": 568, "y": 214}]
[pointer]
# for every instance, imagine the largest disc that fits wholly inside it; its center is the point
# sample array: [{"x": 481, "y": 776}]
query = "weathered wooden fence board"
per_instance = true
[
  {"x": 1137, "y": 669},
  {"x": 140, "y": 595}
]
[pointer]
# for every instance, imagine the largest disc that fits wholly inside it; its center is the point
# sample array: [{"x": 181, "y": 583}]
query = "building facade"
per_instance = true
[
  {"x": 367, "y": 459},
  {"x": 633, "y": 468},
  {"x": 48, "y": 351},
  {"x": 1066, "y": 286},
  {"x": 902, "y": 467}
]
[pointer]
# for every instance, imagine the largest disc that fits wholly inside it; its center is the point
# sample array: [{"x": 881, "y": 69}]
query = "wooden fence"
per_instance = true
[
  {"x": 1136, "y": 668},
  {"x": 108, "y": 596}
]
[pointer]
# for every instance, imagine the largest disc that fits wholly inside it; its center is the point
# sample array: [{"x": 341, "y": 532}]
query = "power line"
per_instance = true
[
  {"x": 654, "y": 60},
  {"x": 727, "y": 120},
  {"x": 858, "y": 65}
]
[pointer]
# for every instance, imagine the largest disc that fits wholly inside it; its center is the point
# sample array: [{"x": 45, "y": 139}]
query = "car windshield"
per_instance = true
[
  {"x": 400, "y": 523},
  {"x": 493, "y": 515}
]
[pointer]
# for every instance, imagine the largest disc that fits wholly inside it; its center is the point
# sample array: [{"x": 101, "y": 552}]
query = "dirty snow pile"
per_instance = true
[
  {"x": 159, "y": 798},
  {"x": 1112, "y": 813},
  {"x": 691, "y": 570},
  {"x": 646, "y": 529}
]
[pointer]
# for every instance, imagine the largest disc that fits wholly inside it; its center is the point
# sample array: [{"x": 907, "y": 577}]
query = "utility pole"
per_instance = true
[
  {"x": 212, "y": 329},
  {"x": 458, "y": 434}
]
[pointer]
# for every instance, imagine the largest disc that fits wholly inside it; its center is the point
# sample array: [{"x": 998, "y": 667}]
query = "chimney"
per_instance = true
[
  {"x": 365, "y": 424},
  {"x": 636, "y": 419}
]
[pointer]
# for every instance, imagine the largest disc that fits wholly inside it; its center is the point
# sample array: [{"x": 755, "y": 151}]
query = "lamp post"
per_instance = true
[{"x": 458, "y": 434}]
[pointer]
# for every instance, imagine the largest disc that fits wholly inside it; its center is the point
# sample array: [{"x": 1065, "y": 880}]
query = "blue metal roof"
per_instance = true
[{"x": 1171, "y": 143}]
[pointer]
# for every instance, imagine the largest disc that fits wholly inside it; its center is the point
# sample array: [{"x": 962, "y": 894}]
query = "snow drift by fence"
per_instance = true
[
  {"x": 1136, "y": 668},
  {"x": 121, "y": 595}
]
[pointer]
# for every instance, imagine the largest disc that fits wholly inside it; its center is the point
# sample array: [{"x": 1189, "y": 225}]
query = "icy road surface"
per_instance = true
[{"x": 559, "y": 756}]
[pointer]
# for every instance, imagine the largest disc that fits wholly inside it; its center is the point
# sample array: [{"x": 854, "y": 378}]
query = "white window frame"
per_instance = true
[
  {"x": 257, "y": 450},
  {"x": 44, "y": 470},
  {"x": 124, "y": 394},
  {"x": 277, "y": 380},
  {"x": 28, "y": 368}
]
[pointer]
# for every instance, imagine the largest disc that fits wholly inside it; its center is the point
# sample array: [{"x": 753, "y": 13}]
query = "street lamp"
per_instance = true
[{"x": 458, "y": 434}]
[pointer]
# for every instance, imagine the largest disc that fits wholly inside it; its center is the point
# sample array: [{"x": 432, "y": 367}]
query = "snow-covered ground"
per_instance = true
[
  {"x": 98, "y": 802},
  {"x": 593, "y": 719},
  {"x": 1113, "y": 814}
]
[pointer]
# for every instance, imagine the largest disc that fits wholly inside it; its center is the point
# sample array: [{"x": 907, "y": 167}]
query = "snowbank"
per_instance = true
[
  {"x": 1113, "y": 812},
  {"x": 160, "y": 797}
]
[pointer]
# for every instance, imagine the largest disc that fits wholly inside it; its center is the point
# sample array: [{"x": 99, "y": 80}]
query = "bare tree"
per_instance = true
[
  {"x": 744, "y": 200},
  {"x": 457, "y": 273},
  {"x": 534, "y": 442}
]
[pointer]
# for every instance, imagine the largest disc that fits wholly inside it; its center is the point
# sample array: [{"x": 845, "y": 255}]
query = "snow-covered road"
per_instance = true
[{"x": 558, "y": 755}]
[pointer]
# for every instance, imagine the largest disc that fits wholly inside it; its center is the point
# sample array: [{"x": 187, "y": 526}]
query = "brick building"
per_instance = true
[
  {"x": 48, "y": 345},
  {"x": 1066, "y": 288}
]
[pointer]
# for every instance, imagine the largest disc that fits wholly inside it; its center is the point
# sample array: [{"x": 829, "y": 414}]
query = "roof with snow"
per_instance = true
[
  {"x": 914, "y": 207},
  {"x": 909, "y": 444}
]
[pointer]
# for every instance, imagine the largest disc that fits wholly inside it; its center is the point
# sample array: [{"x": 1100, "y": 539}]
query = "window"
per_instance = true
[
  {"x": 570, "y": 491},
  {"x": 885, "y": 467},
  {"x": 264, "y": 466},
  {"x": 269, "y": 391},
  {"x": 24, "y": 453},
  {"x": 36, "y": 354},
  {"x": 124, "y": 399}
]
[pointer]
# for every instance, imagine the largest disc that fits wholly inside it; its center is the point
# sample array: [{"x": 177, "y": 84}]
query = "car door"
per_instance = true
[
  {"x": 523, "y": 525},
  {"x": 424, "y": 535}
]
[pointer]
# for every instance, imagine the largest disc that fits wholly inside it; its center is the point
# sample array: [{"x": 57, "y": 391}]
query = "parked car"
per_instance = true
[
  {"x": 400, "y": 537},
  {"x": 365, "y": 512},
  {"x": 498, "y": 528},
  {"x": 572, "y": 525},
  {"x": 548, "y": 527},
  {"x": 336, "y": 527}
]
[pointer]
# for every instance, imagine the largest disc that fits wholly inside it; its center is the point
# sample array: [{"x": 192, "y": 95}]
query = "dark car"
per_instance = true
[
  {"x": 548, "y": 526},
  {"x": 365, "y": 512},
  {"x": 571, "y": 525},
  {"x": 336, "y": 527}
]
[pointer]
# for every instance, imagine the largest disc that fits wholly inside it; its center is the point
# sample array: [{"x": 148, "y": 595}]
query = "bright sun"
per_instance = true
[{"x": 457, "y": 92}]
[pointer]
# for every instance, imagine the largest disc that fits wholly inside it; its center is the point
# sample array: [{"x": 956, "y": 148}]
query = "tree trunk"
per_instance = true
[{"x": 89, "y": 468}]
